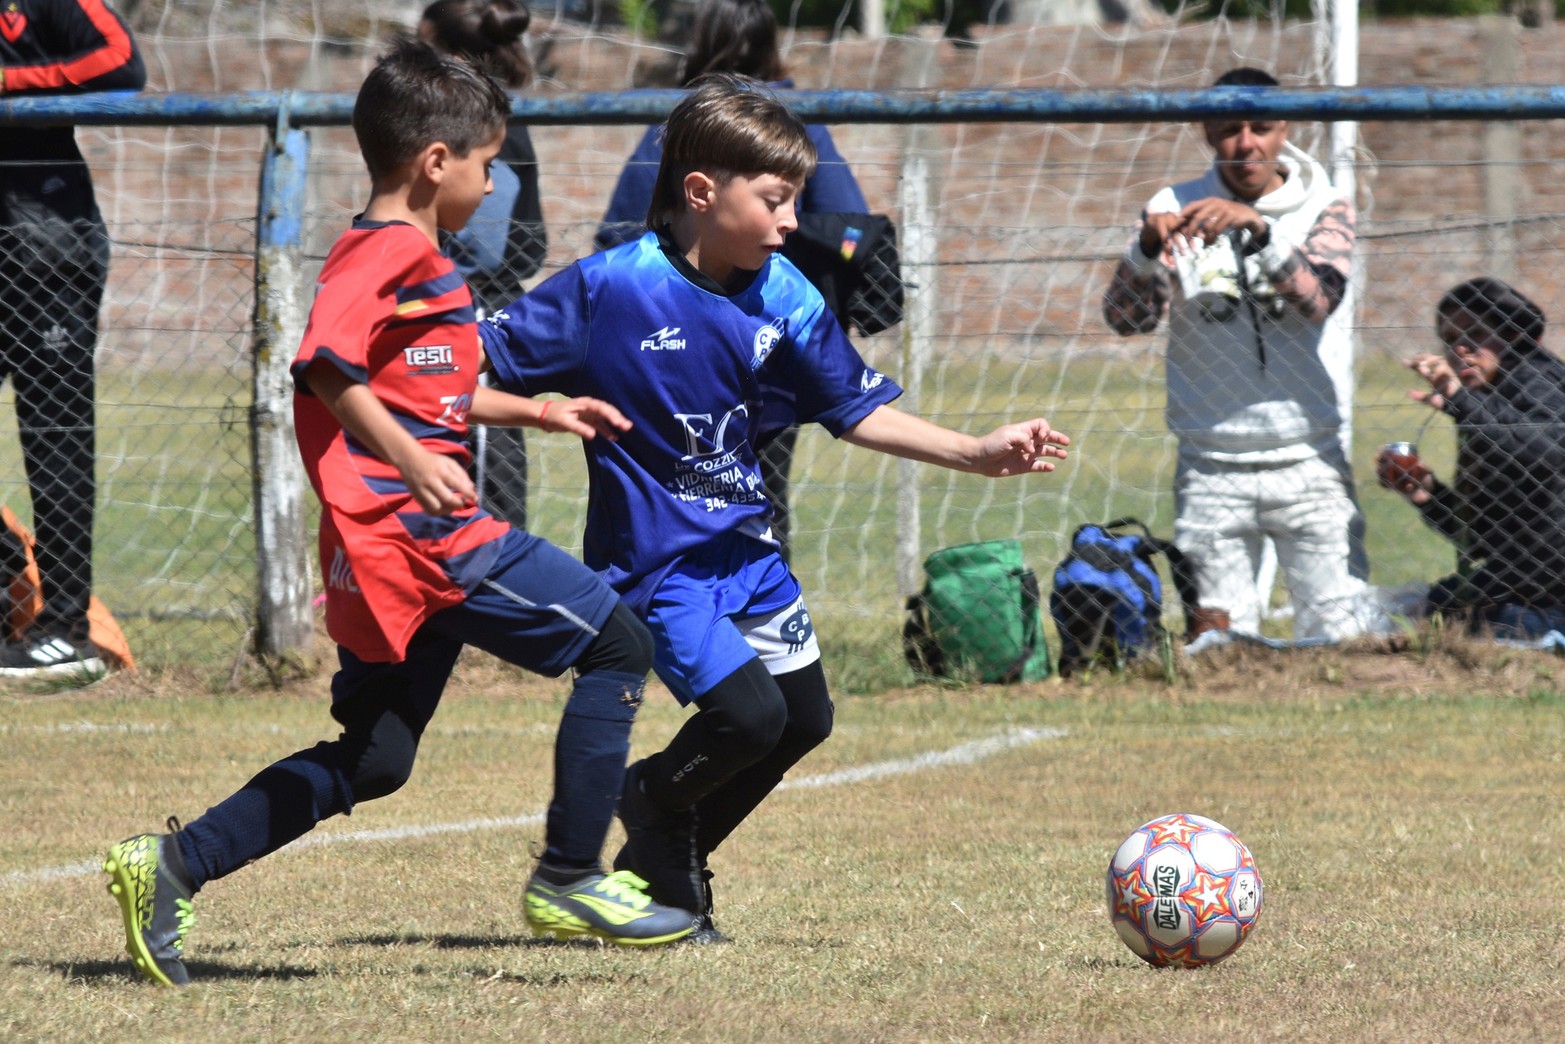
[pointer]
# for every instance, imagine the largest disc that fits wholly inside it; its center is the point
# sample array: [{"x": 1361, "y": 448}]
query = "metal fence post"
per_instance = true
[{"x": 284, "y": 621}]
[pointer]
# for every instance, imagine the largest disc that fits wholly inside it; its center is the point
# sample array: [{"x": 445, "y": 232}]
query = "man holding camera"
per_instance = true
[{"x": 1251, "y": 262}]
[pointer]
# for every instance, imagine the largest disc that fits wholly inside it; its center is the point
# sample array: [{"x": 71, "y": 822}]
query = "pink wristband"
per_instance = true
[{"x": 544, "y": 412}]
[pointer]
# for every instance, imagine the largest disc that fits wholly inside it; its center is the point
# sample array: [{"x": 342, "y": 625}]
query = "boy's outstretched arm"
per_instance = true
[
  {"x": 582, "y": 415},
  {"x": 439, "y": 483},
  {"x": 1013, "y": 449}
]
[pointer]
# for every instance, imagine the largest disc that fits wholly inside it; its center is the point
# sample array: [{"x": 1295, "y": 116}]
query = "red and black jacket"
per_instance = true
[{"x": 57, "y": 47}]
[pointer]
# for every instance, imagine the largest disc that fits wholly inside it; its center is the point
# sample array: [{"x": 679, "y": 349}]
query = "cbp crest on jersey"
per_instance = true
[{"x": 766, "y": 339}]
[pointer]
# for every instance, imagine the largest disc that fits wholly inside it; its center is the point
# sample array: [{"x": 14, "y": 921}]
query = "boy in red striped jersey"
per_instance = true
[{"x": 386, "y": 384}]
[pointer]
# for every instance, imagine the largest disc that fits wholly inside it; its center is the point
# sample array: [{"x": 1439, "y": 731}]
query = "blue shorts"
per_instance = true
[
  {"x": 721, "y": 607},
  {"x": 538, "y": 608}
]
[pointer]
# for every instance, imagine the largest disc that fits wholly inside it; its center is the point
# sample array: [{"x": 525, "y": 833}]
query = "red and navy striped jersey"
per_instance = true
[{"x": 392, "y": 313}]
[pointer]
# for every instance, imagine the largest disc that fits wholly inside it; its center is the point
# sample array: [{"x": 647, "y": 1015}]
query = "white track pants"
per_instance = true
[{"x": 1225, "y": 512}]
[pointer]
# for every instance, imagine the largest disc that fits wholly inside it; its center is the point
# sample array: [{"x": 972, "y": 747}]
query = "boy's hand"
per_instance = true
[
  {"x": 1017, "y": 449},
  {"x": 1435, "y": 369},
  {"x": 439, "y": 483},
  {"x": 584, "y": 416},
  {"x": 1407, "y": 475}
]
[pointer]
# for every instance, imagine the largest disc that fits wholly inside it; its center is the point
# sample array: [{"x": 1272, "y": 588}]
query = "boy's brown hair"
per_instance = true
[
  {"x": 414, "y": 97},
  {"x": 727, "y": 126}
]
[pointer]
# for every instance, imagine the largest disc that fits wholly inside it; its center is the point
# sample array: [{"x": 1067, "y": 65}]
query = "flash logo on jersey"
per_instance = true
[
  {"x": 665, "y": 340},
  {"x": 425, "y": 360},
  {"x": 871, "y": 379}
]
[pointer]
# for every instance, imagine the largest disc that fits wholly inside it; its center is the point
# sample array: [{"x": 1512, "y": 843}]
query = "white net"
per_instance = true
[{"x": 1026, "y": 222}]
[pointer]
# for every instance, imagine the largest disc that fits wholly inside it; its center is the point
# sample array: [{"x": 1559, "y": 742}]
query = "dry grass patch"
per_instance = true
[{"x": 1403, "y": 806}]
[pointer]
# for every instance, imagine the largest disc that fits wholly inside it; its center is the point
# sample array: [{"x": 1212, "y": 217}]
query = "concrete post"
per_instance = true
[{"x": 284, "y": 621}]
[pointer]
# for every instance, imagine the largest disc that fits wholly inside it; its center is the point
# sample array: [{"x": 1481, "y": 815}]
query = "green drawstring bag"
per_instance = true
[{"x": 978, "y": 616}]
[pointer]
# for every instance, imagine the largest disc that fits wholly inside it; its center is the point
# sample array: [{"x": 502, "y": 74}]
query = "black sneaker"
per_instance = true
[
  {"x": 41, "y": 654},
  {"x": 660, "y": 845},
  {"x": 706, "y": 932}
]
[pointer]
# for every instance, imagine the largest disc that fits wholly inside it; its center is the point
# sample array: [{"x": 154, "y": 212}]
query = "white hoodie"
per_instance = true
[{"x": 1231, "y": 399}]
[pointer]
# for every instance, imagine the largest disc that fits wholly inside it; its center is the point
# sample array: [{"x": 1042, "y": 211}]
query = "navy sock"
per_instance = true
[
  {"x": 283, "y": 802},
  {"x": 590, "y": 752}
]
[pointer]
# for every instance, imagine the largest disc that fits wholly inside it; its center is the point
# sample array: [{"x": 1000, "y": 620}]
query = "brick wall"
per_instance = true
[{"x": 1059, "y": 197}]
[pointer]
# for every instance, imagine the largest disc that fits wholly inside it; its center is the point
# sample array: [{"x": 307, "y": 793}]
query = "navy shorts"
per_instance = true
[{"x": 538, "y": 608}]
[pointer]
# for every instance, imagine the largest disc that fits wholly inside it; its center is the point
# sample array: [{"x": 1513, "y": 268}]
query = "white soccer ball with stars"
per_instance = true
[{"x": 1183, "y": 890}]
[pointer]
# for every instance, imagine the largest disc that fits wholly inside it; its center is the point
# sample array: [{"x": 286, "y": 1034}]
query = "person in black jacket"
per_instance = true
[
  {"x": 506, "y": 241},
  {"x": 1507, "y": 505},
  {"x": 54, "y": 257}
]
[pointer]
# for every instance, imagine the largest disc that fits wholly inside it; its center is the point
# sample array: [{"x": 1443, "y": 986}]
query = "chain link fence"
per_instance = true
[{"x": 1010, "y": 237}]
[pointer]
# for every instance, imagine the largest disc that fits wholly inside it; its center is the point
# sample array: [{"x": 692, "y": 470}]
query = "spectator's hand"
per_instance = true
[
  {"x": 1441, "y": 377},
  {"x": 586, "y": 417},
  {"x": 1407, "y": 475},
  {"x": 1155, "y": 231},
  {"x": 1017, "y": 449},
  {"x": 438, "y": 482},
  {"x": 1206, "y": 219}
]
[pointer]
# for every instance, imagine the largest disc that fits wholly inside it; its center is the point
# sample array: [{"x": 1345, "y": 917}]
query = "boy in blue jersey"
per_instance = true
[
  {"x": 386, "y": 383},
  {"x": 706, "y": 337}
]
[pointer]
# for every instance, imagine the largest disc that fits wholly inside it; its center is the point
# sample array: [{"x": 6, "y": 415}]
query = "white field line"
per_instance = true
[
  {"x": 132, "y": 728},
  {"x": 962, "y": 754}
]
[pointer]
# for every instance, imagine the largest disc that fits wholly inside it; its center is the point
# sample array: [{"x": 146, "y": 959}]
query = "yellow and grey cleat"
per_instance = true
[
  {"x": 614, "y": 907},
  {"x": 145, "y": 874}
]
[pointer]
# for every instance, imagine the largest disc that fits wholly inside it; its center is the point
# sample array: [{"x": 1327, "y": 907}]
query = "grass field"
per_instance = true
[{"x": 934, "y": 872}]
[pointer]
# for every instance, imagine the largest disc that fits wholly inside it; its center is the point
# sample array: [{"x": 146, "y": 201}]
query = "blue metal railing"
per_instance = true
[{"x": 1330, "y": 104}]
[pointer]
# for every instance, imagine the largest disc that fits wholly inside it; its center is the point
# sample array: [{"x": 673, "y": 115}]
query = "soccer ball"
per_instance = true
[{"x": 1183, "y": 890}]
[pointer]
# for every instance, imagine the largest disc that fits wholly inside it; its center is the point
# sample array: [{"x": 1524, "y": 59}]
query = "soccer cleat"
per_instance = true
[
  {"x": 146, "y": 874},
  {"x": 43, "y": 655},
  {"x": 662, "y": 846},
  {"x": 614, "y": 907},
  {"x": 706, "y": 932}
]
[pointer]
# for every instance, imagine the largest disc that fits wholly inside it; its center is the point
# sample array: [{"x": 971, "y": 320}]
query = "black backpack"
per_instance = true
[{"x": 852, "y": 259}]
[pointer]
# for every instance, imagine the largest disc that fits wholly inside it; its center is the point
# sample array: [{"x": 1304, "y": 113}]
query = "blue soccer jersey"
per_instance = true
[{"x": 700, "y": 374}]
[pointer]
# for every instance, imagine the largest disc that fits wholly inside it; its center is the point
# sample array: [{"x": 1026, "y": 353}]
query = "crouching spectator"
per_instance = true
[{"x": 1506, "y": 506}]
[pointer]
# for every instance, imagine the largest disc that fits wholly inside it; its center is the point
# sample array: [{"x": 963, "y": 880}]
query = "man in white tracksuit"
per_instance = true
[{"x": 1251, "y": 262}]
